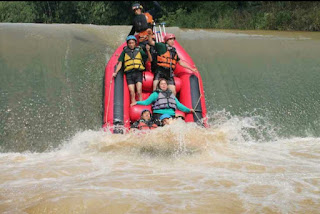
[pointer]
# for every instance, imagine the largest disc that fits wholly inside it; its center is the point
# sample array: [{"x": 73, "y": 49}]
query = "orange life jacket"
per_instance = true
[
  {"x": 149, "y": 18},
  {"x": 168, "y": 59},
  {"x": 143, "y": 36},
  {"x": 144, "y": 126}
]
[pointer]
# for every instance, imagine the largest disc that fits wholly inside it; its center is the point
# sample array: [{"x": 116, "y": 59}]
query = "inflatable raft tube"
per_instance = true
[{"x": 118, "y": 115}]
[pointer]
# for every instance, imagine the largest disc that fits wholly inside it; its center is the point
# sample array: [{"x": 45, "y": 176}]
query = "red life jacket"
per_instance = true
[{"x": 146, "y": 126}]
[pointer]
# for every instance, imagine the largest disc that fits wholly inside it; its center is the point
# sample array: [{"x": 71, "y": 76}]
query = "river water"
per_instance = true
[{"x": 260, "y": 155}]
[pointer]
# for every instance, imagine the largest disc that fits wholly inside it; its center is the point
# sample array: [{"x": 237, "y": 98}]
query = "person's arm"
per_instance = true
[
  {"x": 148, "y": 53},
  {"x": 119, "y": 66},
  {"x": 182, "y": 107},
  {"x": 150, "y": 40},
  {"x": 183, "y": 64},
  {"x": 133, "y": 30},
  {"x": 153, "y": 97}
]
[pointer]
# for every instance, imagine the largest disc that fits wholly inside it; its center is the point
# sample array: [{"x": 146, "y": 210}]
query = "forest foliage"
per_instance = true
[{"x": 248, "y": 15}]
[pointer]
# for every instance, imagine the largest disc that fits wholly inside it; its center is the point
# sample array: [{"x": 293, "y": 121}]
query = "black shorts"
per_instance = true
[
  {"x": 164, "y": 73},
  {"x": 134, "y": 77}
]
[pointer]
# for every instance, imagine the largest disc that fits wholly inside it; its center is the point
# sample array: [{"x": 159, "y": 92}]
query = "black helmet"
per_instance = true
[{"x": 136, "y": 6}]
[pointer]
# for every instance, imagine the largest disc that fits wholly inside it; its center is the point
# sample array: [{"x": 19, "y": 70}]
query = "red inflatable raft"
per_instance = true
[{"x": 118, "y": 115}]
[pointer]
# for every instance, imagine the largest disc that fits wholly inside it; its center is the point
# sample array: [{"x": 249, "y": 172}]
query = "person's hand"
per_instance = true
[
  {"x": 149, "y": 31},
  {"x": 114, "y": 74},
  {"x": 132, "y": 104},
  {"x": 192, "y": 110},
  {"x": 147, "y": 47}
]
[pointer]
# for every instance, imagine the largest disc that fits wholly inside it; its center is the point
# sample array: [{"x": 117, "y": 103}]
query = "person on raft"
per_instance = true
[
  {"x": 166, "y": 119},
  {"x": 143, "y": 22},
  {"x": 164, "y": 102},
  {"x": 145, "y": 122},
  {"x": 167, "y": 58},
  {"x": 134, "y": 59}
]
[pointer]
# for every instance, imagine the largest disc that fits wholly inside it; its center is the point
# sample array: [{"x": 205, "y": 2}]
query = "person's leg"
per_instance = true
[
  {"x": 173, "y": 89},
  {"x": 153, "y": 65},
  {"x": 139, "y": 90},
  {"x": 156, "y": 80},
  {"x": 154, "y": 55},
  {"x": 130, "y": 82},
  {"x": 132, "y": 93},
  {"x": 155, "y": 83},
  {"x": 171, "y": 83},
  {"x": 138, "y": 82}
]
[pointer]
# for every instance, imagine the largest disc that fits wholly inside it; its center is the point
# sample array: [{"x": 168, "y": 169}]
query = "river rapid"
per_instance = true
[{"x": 261, "y": 153}]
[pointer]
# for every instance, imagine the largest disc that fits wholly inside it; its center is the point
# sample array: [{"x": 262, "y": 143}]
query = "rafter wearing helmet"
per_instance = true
[
  {"x": 145, "y": 122},
  {"x": 167, "y": 58},
  {"x": 133, "y": 58},
  {"x": 143, "y": 22}
]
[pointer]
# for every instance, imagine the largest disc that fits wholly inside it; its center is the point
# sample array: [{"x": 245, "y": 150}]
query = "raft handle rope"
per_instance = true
[
  {"x": 115, "y": 67},
  {"x": 196, "y": 107},
  {"x": 198, "y": 101}
]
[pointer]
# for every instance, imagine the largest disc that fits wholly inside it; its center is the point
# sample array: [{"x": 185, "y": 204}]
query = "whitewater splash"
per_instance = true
[
  {"x": 261, "y": 155},
  {"x": 181, "y": 168},
  {"x": 51, "y": 87}
]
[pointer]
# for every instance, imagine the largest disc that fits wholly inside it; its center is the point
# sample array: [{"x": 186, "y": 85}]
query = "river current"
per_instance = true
[{"x": 261, "y": 153}]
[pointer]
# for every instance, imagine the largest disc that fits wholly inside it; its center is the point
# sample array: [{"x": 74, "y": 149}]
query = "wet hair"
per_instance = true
[
  {"x": 144, "y": 110},
  {"x": 158, "y": 86}
]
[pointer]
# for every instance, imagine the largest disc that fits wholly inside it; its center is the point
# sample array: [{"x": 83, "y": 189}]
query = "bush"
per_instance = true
[
  {"x": 16, "y": 12},
  {"x": 266, "y": 15}
]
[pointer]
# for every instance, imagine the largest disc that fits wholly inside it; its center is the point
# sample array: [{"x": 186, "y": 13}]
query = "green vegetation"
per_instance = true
[{"x": 267, "y": 15}]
